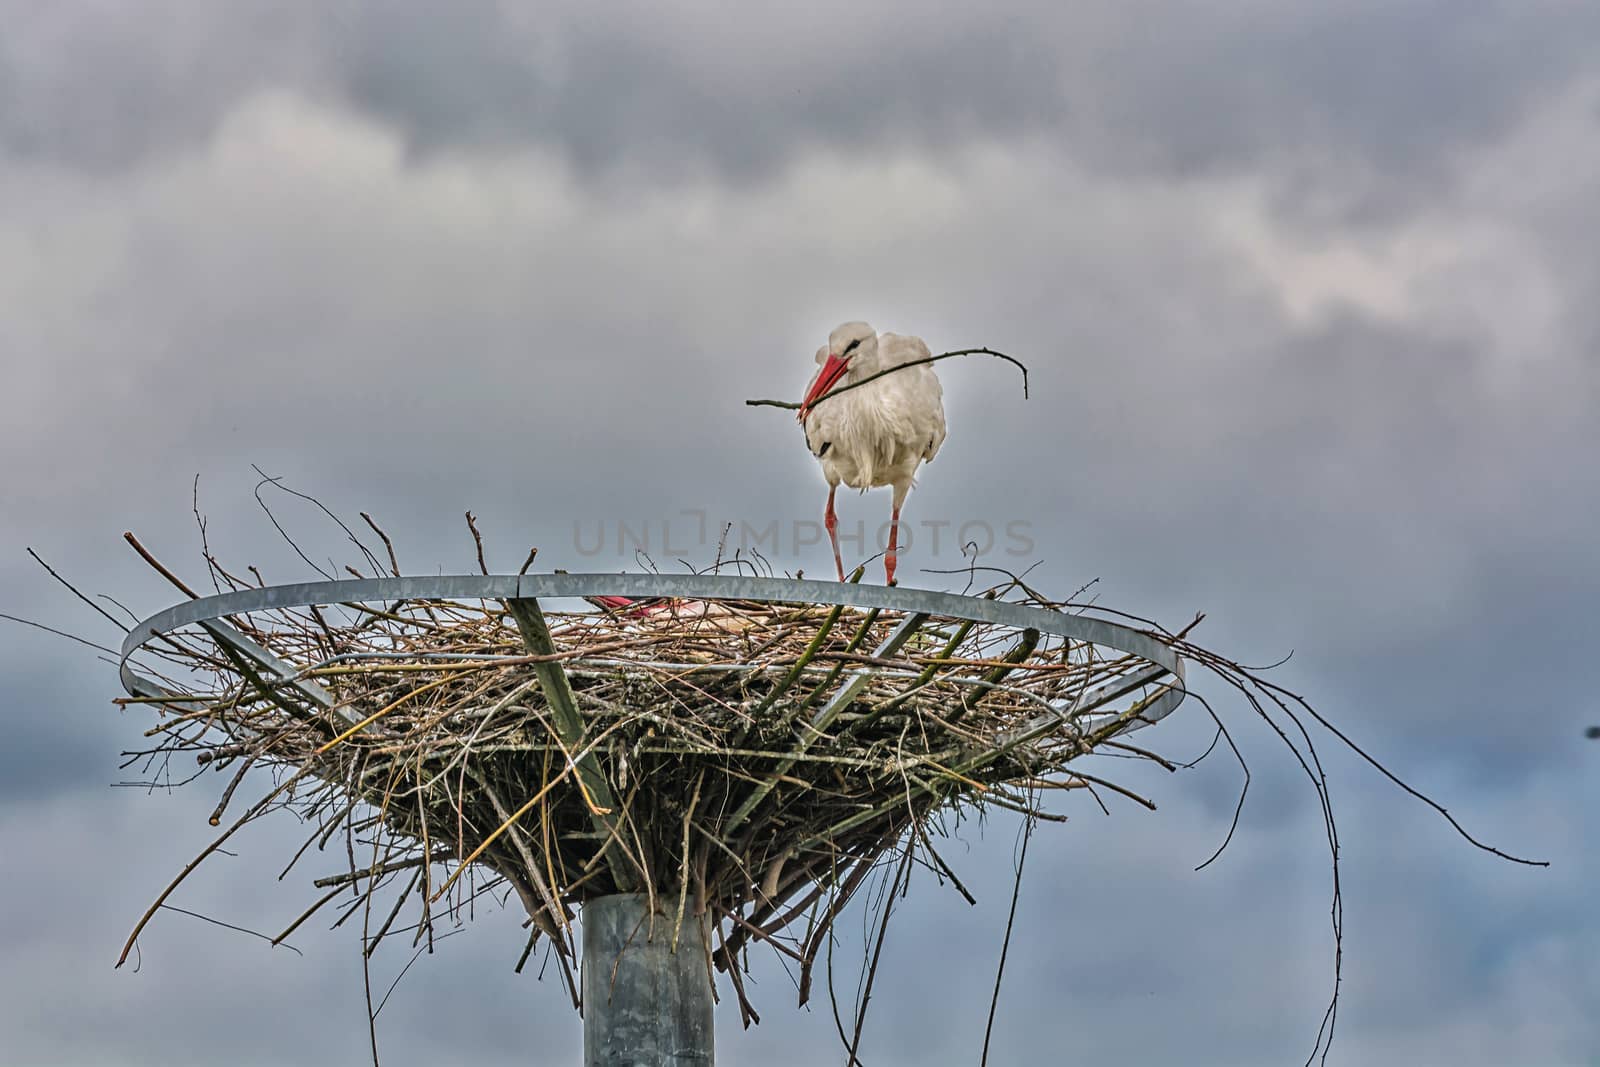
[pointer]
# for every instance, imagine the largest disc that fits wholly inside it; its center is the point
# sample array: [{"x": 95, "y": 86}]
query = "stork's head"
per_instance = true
[{"x": 853, "y": 344}]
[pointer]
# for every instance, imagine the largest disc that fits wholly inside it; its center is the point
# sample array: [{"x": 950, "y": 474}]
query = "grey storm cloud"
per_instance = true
[
  {"x": 668, "y": 93},
  {"x": 1307, "y": 297}
]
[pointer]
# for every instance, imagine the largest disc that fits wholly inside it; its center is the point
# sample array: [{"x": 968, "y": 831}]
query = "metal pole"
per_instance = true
[{"x": 643, "y": 1004}]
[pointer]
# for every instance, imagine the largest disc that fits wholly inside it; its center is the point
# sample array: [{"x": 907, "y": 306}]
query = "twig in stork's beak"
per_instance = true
[{"x": 831, "y": 372}]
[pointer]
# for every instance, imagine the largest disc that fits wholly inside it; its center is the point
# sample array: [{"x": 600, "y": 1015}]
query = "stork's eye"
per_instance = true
[{"x": 851, "y": 347}]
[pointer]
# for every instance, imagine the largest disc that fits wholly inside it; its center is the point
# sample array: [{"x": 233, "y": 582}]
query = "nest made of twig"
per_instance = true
[
  {"x": 748, "y": 765},
  {"x": 745, "y": 763}
]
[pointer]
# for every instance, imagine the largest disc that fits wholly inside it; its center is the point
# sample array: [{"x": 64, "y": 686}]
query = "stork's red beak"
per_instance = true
[{"x": 831, "y": 372}]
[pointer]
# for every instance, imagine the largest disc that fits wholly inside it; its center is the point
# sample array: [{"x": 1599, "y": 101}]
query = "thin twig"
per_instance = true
[
  {"x": 477, "y": 539},
  {"x": 793, "y": 406},
  {"x": 159, "y": 566},
  {"x": 1005, "y": 943},
  {"x": 118, "y": 623}
]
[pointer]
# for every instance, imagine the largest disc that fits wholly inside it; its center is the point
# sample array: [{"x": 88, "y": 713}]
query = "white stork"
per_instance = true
[{"x": 876, "y": 434}]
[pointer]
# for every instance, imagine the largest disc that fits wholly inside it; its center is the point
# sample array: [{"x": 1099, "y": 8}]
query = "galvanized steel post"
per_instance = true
[{"x": 644, "y": 1005}]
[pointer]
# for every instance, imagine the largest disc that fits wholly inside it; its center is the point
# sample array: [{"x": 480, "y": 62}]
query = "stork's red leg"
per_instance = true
[
  {"x": 894, "y": 540},
  {"x": 831, "y": 521}
]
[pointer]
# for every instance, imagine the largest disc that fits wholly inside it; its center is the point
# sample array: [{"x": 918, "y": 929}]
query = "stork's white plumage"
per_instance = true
[{"x": 876, "y": 434}]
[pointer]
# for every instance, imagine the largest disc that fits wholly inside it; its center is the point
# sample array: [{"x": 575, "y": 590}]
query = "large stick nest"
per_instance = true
[{"x": 747, "y": 764}]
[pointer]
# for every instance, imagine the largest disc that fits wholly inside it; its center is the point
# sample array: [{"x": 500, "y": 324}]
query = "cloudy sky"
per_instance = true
[{"x": 1308, "y": 298}]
